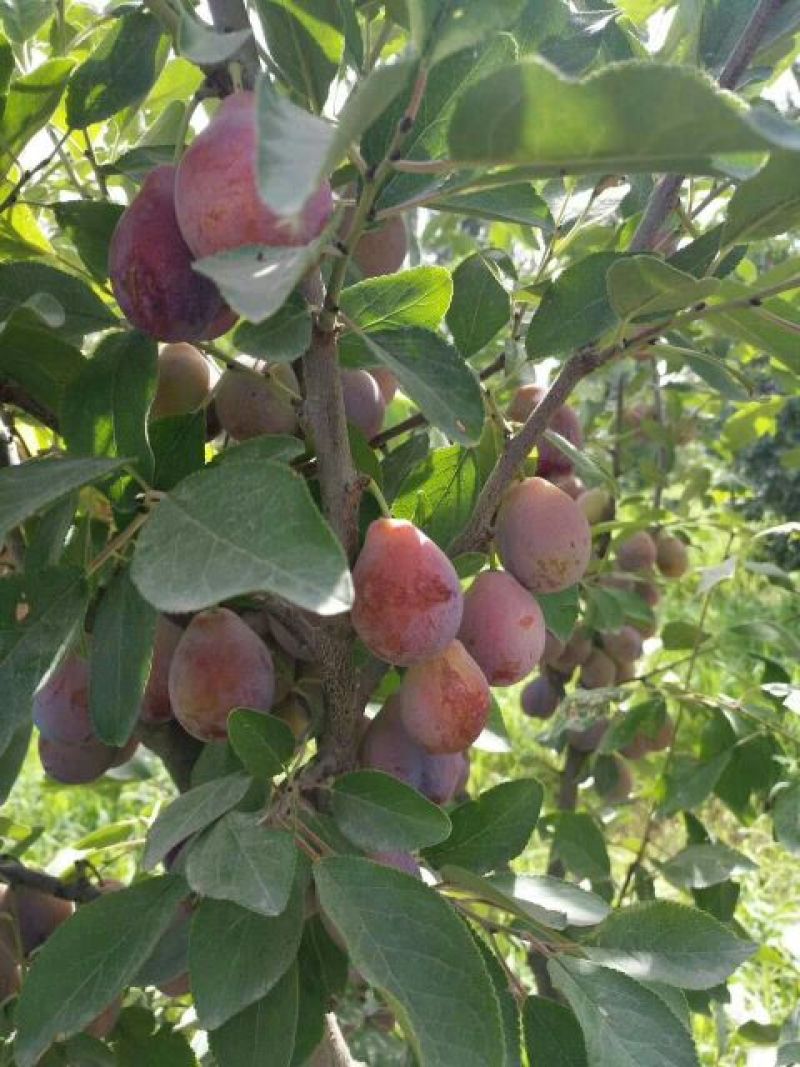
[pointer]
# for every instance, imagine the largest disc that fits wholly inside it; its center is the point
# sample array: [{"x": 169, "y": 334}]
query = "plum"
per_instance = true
[
  {"x": 155, "y": 706},
  {"x": 622, "y": 645},
  {"x": 597, "y": 505},
  {"x": 637, "y": 552},
  {"x": 443, "y": 777},
  {"x": 576, "y": 652},
  {"x": 672, "y": 556},
  {"x": 151, "y": 273},
  {"x": 408, "y": 601},
  {"x": 61, "y": 706},
  {"x": 387, "y": 383},
  {"x": 105, "y": 1022},
  {"x": 219, "y": 664},
  {"x": 643, "y": 743},
  {"x": 249, "y": 405},
  {"x": 502, "y": 628},
  {"x": 599, "y": 671},
  {"x": 364, "y": 405},
  {"x": 569, "y": 484},
  {"x": 36, "y": 913},
  {"x": 217, "y": 201},
  {"x": 185, "y": 380},
  {"x": 553, "y": 648},
  {"x": 626, "y": 671},
  {"x": 589, "y": 738},
  {"x": 382, "y": 249},
  {"x": 541, "y": 697},
  {"x": 542, "y": 536},
  {"x": 445, "y": 701},
  {"x": 564, "y": 421},
  {"x": 76, "y": 764}
]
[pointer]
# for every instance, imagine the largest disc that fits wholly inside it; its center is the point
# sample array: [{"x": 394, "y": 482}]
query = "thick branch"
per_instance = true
[
  {"x": 333, "y": 1050},
  {"x": 12, "y": 872}
]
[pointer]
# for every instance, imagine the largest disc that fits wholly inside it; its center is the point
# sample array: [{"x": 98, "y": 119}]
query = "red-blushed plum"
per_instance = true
[
  {"x": 445, "y": 701},
  {"x": 37, "y": 914},
  {"x": 401, "y": 861},
  {"x": 672, "y": 556},
  {"x": 382, "y": 249},
  {"x": 185, "y": 380},
  {"x": 540, "y": 697},
  {"x": 76, "y": 764},
  {"x": 250, "y": 405},
  {"x": 622, "y": 645},
  {"x": 150, "y": 267},
  {"x": 443, "y": 777},
  {"x": 217, "y": 201},
  {"x": 588, "y": 739},
  {"x": 649, "y": 593},
  {"x": 564, "y": 421},
  {"x": 569, "y": 484},
  {"x": 599, "y": 671},
  {"x": 542, "y": 536},
  {"x": 576, "y": 651},
  {"x": 597, "y": 505},
  {"x": 637, "y": 552},
  {"x": 364, "y": 405},
  {"x": 502, "y": 628},
  {"x": 387, "y": 383},
  {"x": 408, "y": 601},
  {"x": 219, "y": 664},
  {"x": 61, "y": 706},
  {"x": 155, "y": 706}
]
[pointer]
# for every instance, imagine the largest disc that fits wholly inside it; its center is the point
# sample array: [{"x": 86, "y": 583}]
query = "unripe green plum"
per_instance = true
[
  {"x": 564, "y": 421},
  {"x": 61, "y": 706},
  {"x": 445, "y": 701},
  {"x": 364, "y": 405},
  {"x": 637, "y": 552},
  {"x": 672, "y": 556},
  {"x": 622, "y": 645},
  {"x": 408, "y": 601},
  {"x": 217, "y": 201},
  {"x": 542, "y": 536},
  {"x": 150, "y": 267},
  {"x": 597, "y": 505},
  {"x": 185, "y": 380},
  {"x": 599, "y": 671},
  {"x": 219, "y": 664},
  {"x": 155, "y": 706},
  {"x": 502, "y": 628},
  {"x": 250, "y": 405},
  {"x": 387, "y": 383},
  {"x": 613, "y": 780},
  {"x": 76, "y": 764},
  {"x": 576, "y": 652},
  {"x": 541, "y": 697},
  {"x": 588, "y": 739},
  {"x": 383, "y": 249}
]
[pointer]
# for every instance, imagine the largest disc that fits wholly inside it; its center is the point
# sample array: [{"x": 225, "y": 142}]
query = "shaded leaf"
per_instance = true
[{"x": 381, "y": 813}]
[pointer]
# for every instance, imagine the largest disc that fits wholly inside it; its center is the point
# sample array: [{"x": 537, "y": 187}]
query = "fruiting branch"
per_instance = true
[{"x": 15, "y": 873}]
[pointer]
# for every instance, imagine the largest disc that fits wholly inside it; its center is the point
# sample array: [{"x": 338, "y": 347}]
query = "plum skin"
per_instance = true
[
  {"x": 364, "y": 404},
  {"x": 250, "y": 405},
  {"x": 185, "y": 380},
  {"x": 61, "y": 705},
  {"x": 502, "y": 628}
]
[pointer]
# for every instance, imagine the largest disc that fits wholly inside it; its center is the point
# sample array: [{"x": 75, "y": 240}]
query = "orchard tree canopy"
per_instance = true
[{"x": 399, "y": 488}]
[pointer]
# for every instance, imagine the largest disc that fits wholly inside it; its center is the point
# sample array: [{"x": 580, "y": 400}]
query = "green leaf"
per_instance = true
[
  {"x": 240, "y": 860},
  {"x": 691, "y": 781},
  {"x": 579, "y": 906},
  {"x": 30, "y": 102},
  {"x": 178, "y": 443},
  {"x": 31, "y": 487},
  {"x": 258, "y": 951},
  {"x": 490, "y": 831},
  {"x": 467, "y": 24},
  {"x": 204, "y": 45},
  {"x": 641, "y": 286},
  {"x": 423, "y": 960},
  {"x": 306, "y": 42},
  {"x": 481, "y": 305},
  {"x": 45, "y": 377},
  {"x": 380, "y": 813},
  {"x": 786, "y": 818},
  {"x": 560, "y": 611},
  {"x": 228, "y": 514},
  {"x": 534, "y": 916},
  {"x": 664, "y": 942},
  {"x": 581, "y": 847},
  {"x": 553, "y": 1037},
  {"x": 771, "y": 328},
  {"x": 439, "y": 494},
  {"x": 701, "y": 866},
  {"x": 281, "y": 338},
  {"x": 84, "y": 312},
  {"x": 119, "y": 72},
  {"x": 620, "y": 120},
  {"x": 517, "y": 203},
  {"x": 509, "y": 1013},
  {"x": 124, "y": 629},
  {"x": 264, "y": 1032},
  {"x": 435, "y": 377},
  {"x": 766, "y": 205},
  {"x": 6, "y": 62},
  {"x": 417, "y": 297},
  {"x": 679, "y": 634},
  {"x": 624, "y": 1024},
  {"x": 263, "y": 743},
  {"x": 89, "y": 224},
  {"x": 277, "y": 447},
  {"x": 12, "y": 759},
  {"x": 105, "y": 406},
  {"x": 22, "y": 18},
  {"x": 191, "y": 812},
  {"x": 574, "y": 309},
  {"x": 88, "y": 960}
]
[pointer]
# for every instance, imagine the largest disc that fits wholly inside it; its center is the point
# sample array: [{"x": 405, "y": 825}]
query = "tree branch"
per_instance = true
[
  {"x": 333, "y": 1050},
  {"x": 229, "y": 15},
  {"x": 15, "y": 873}
]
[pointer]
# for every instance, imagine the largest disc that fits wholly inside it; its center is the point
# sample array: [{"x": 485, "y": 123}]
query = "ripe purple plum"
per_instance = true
[
  {"x": 217, "y": 201},
  {"x": 383, "y": 249},
  {"x": 155, "y": 706},
  {"x": 219, "y": 664},
  {"x": 185, "y": 380},
  {"x": 445, "y": 701},
  {"x": 672, "y": 556},
  {"x": 564, "y": 421},
  {"x": 443, "y": 777},
  {"x": 541, "y": 697},
  {"x": 364, "y": 405},
  {"x": 542, "y": 536},
  {"x": 387, "y": 383},
  {"x": 637, "y": 552},
  {"x": 150, "y": 266},
  {"x": 622, "y": 645},
  {"x": 502, "y": 628},
  {"x": 61, "y": 706},
  {"x": 76, "y": 764},
  {"x": 599, "y": 671},
  {"x": 408, "y": 602},
  {"x": 250, "y": 405},
  {"x": 588, "y": 739}
]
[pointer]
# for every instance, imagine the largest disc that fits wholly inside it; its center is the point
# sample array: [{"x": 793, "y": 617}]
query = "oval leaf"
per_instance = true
[{"x": 378, "y": 812}]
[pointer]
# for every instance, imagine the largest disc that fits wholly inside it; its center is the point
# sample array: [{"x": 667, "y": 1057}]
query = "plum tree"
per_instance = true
[
  {"x": 502, "y": 628},
  {"x": 387, "y": 383},
  {"x": 408, "y": 603},
  {"x": 542, "y": 536},
  {"x": 672, "y": 556},
  {"x": 383, "y": 249},
  {"x": 185, "y": 380},
  {"x": 219, "y": 664},
  {"x": 151, "y": 273},
  {"x": 61, "y": 706},
  {"x": 76, "y": 764},
  {"x": 564, "y": 421},
  {"x": 637, "y": 552},
  {"x": 622, "y": 645},
  {"x": 445, "y": 700},
  {"x": 155, "y": 706},
  {"x": 540, "y": 697},
  {"x": 217, "y": 202},
  {"x": 363, "y": 401},
  {"x": 251, "y": 404},
  {"x": 599, "y": 670}
]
